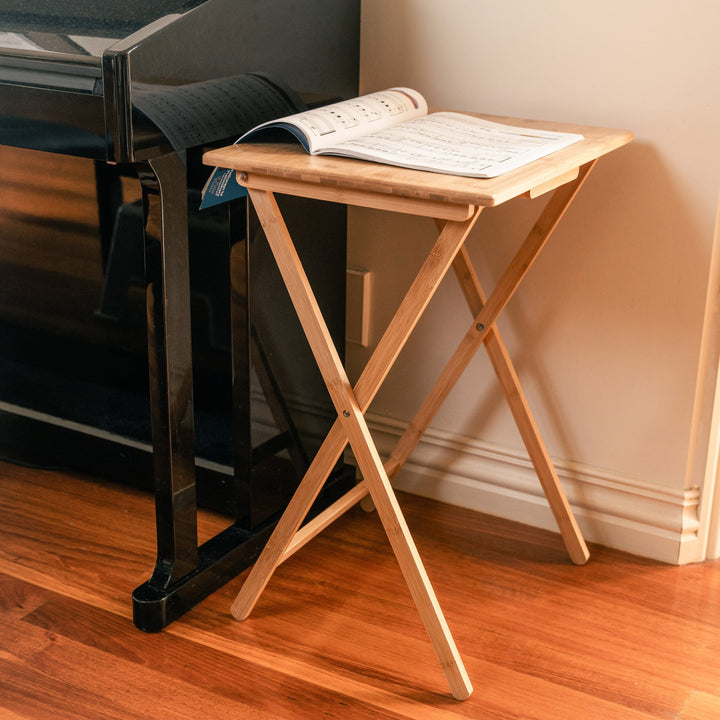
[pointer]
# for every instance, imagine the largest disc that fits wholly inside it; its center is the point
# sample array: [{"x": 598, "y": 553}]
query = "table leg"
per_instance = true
[
  {"x": 484, "y": 331},
  {"x": 350, "y": 405},
  {"x": 508, "y": 379},
  {"x": 285, "y": 537}
]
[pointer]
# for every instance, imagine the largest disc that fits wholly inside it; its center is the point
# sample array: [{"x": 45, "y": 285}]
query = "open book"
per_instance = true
[{"x": 393, "y": 127}]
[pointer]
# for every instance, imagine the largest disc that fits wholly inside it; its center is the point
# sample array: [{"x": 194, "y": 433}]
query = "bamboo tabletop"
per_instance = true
[{"x": 289, "y": 161}]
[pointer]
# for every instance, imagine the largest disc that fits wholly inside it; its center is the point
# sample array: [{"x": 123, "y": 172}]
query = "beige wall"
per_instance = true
[{"x": 606, "y": 331}]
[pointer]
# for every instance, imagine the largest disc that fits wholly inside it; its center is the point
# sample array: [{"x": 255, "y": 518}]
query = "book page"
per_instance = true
[
  {"x": 455, "y": 144},
  {"x": 337, "y": 123}
]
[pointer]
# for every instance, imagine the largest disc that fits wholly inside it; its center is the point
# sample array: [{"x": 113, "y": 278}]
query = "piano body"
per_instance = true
[{"x": 143, "y": 86}]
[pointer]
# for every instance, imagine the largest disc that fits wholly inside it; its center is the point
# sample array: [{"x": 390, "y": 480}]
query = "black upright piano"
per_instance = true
[{"x": 140, "y": 89}]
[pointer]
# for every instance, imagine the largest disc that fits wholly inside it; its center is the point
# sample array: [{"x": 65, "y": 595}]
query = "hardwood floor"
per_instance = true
[{"x": 336, "y": 634}]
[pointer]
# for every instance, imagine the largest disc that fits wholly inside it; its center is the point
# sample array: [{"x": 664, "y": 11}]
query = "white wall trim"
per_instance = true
[
  {"x": 612, "y": 510},
  {"x": 616, "y": 511},
  {"x": 704, "y": 449}
]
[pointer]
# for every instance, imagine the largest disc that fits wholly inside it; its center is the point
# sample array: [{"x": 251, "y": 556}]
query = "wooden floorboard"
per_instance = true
[{"x": 336, "y": 635}]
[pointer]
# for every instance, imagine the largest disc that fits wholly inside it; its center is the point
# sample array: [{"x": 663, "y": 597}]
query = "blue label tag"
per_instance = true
[{"x": 221, "y": 187}]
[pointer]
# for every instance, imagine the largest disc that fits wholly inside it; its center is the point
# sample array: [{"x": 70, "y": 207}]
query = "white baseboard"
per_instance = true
[
  {"x": 611, "y": 510},
  {"x": 616, "y": 511}
]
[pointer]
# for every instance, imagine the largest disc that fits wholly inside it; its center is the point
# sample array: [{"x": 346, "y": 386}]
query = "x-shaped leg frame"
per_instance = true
[{"x": 352, "y": 403}]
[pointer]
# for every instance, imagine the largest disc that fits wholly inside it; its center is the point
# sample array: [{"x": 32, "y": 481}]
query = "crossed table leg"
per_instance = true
[{"x": 352, "y": 403}]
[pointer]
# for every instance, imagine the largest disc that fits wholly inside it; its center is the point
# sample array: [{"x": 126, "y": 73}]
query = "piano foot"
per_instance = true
[{"x": 219, "y": 560}]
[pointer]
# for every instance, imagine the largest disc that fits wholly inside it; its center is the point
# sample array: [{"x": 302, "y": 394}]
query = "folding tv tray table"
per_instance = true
[{"x": 455, "y": 203}]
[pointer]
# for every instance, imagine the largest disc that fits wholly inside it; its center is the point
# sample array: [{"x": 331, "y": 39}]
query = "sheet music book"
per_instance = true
[{"x": 393, "y": 127}]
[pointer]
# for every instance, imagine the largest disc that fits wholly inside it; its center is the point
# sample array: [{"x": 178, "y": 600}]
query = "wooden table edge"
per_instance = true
[{"x": 289, "y": 161}]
